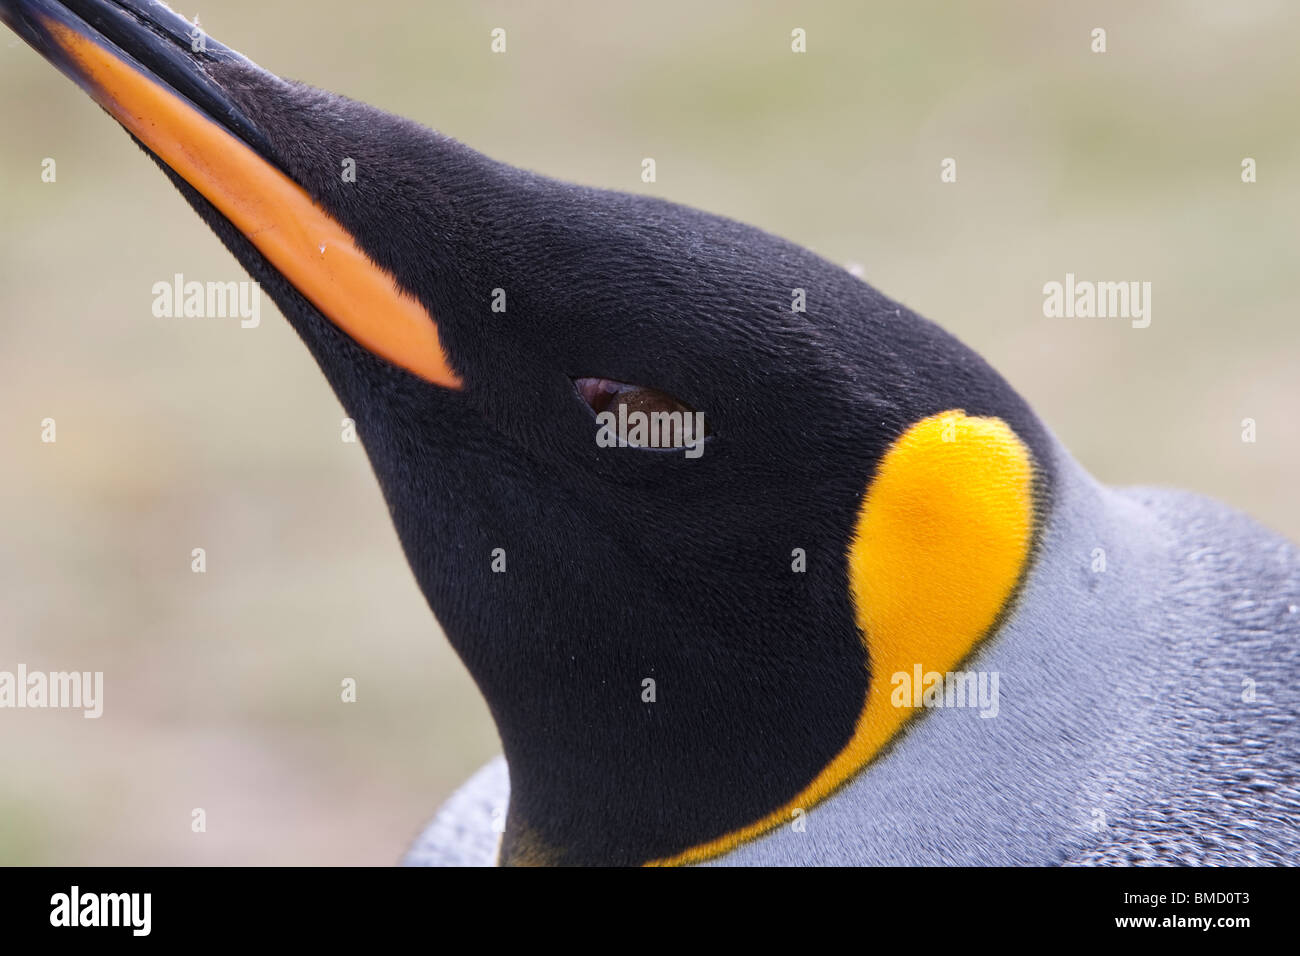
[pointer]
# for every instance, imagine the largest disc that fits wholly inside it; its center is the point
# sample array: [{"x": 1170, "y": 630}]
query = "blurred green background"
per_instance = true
[{"x": 222, "y": 689}]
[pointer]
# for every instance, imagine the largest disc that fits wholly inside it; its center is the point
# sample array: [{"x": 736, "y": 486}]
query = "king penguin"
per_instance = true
[{"x": 869, "y": 612}]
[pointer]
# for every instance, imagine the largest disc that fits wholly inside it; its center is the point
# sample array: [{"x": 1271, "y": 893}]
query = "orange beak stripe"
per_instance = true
[{"x": 306, "y": 245}]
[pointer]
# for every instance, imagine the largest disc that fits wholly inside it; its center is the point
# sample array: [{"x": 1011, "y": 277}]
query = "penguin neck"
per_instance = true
[
  {"x": 944, "y": 535},
  {"x": 943, "y": 540},
  {"x": 1013, "y": 780}
]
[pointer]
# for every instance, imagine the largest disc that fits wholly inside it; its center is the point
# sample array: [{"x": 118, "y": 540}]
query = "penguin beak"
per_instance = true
[{"x": 144, "y": 65}]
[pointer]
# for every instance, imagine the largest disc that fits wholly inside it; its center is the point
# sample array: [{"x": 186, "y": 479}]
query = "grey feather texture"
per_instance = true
[{"x": 466, "y": 831}]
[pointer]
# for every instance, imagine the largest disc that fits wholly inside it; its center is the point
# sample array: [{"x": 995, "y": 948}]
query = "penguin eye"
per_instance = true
[
  {"x": 627, "y": 405},
  {"x": 605, "y": 395}
]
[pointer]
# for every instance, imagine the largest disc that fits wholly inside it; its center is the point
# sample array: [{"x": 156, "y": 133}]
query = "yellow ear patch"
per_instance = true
[{"x": 943, "y": 536}]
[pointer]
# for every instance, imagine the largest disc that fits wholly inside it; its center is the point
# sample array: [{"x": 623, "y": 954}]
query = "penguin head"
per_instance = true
[{"x": 670, "y": 634}]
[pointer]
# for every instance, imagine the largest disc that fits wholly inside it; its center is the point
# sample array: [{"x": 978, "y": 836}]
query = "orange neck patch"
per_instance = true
[{"x": 943, "y": 538}]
